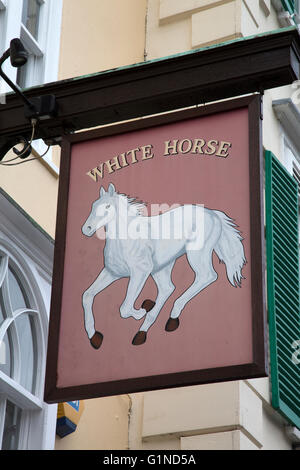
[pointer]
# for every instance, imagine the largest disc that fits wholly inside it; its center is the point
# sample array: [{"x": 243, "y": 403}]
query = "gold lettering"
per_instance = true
[
  {"x": 124, "y": 162},
  {"x": 211, "y": 144},
  {"x": 133, "y": 154},
  {"x": 198, "y": 145},
  {"x": 115, "y": 163},
  {"x": 169, "y": 146},
  {"x": 181, "y": 145},
  {"x": 146, "y": 152},
  {"x": 223, "y": 149},
  {"x": 95, "y": 172}
]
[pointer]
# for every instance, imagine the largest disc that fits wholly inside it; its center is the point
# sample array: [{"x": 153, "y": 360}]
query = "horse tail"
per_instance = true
[{"x": 230, "y": 249}]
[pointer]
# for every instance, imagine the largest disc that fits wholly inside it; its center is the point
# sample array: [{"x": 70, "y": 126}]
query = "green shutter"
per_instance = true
[
  {"x": 289, "y": 5},
  {"x": 283, "y": 287}
]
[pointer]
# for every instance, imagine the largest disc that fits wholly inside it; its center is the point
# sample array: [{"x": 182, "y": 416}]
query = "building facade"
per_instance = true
[
  {"x": 26, "y": 246},
  {"x": 68, "y": 39}
]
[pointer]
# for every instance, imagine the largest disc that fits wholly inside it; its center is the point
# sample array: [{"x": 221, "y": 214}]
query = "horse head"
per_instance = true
[{"x": 103, "y": 211}]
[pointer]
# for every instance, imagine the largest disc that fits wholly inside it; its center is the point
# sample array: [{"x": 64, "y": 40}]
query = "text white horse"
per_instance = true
[{"x": 138, "y": 246}]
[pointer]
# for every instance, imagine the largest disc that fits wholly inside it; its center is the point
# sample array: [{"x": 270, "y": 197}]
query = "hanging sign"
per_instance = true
[{"x": 158, "y": 273}]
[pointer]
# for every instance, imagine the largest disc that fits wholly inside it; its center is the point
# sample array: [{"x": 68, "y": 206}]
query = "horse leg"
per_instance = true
[
  {"x": 104, "y": 279},
  {"x": 165, "y": 288},
  {"x": 136, "y": 283},
  {"x": 201, "y": 263}
]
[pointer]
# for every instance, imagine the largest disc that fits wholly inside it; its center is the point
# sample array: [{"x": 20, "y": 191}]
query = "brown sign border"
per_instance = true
[{"x": 259, "y": 366}]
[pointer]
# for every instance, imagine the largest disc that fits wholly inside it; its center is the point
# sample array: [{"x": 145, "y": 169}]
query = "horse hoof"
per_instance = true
[
  {"x": 140, "y": 338},
  {"x": 172, "y": 324},
  {"x": 148, "y": 305},
  {"x": 96, "y": 340}
]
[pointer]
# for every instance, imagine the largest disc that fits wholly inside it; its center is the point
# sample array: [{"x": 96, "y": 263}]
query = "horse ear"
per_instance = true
[
  {"x": 102, "y": 191},
  {"x": 111, "y": 189}
]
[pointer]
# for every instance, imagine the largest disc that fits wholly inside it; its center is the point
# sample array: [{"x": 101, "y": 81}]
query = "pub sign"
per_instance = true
[{"x": 159, "y": 260}]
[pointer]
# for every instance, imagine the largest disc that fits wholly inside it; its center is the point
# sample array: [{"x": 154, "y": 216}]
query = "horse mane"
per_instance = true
[{"x": 134, "y": 204}]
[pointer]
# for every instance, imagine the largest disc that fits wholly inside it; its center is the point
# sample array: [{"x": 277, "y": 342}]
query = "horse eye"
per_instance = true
[{"x": 108, "y": 206}]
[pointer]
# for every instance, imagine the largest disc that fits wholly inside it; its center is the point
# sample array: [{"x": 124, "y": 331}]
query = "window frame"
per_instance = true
[
  {"x": 40, "y": 353},
  {"x": 31, "y": 250},
  {"x": 282, "y": 205},
  {"x": 11, "y": 389},
  {"x": 40, "y": 3},
  {"x": 35, "y": 46},
  {"x": 43, "y": 64},
  {"x": 291, "y": 160},
  {"x": 288, "y": 116},
  {"x": 289, "y": 5}
]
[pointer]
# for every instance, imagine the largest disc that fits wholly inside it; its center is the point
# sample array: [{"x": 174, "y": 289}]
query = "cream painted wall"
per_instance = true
[
  {"x": 107, "y": 34},
  {"x": 174, "y": 26},
  {"x": 103, "y": 425},
  {"x": 34, "y": 187}
]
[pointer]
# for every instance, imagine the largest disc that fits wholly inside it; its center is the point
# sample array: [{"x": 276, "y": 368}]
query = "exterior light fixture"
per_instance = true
[
  {"x": 18, "y": 55},
  {"x": 40, "y": 107},
  {"x": 18, "y": 58}
]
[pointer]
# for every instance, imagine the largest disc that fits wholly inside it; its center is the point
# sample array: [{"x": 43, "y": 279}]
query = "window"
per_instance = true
[
  {"x": 290, "y": 5},
  {"x": 25, "y": 286},
  {"x": 288, "y": 116},
  {"x": 22, "y": 344},
  {"x": 37, "y": 23},
  {"x": 283, "y": 242},
  {"x": 32, "y": 36},
  {"x": 31, "y": 15},
  {"x": 18, "y": 327},
  {"x": 296, "y": 175},
  {"x": 287, "y": 12},
  {"x": 282, "y": 218},
  {"x": 11, "y": 429},
  {"x": 292, "y": 163}
]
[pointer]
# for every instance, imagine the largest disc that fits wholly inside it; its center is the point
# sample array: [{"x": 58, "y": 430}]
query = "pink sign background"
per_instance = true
[{"x": 215, "y": 326}]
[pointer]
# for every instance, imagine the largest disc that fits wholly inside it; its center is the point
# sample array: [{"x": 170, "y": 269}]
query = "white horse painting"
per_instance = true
[{"x": 135, "y": 248}]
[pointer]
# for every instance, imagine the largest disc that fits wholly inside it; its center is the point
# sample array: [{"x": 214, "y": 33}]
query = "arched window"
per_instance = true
[
  {"x": 22, "y": 349},
  {"x": 18, "y": 326}
]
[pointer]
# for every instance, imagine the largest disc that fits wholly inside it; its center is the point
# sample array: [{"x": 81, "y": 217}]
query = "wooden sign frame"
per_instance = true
[{"x": 259, "y": 366}]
